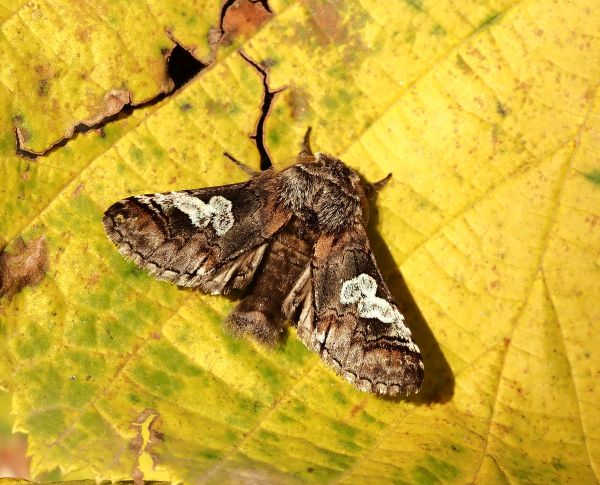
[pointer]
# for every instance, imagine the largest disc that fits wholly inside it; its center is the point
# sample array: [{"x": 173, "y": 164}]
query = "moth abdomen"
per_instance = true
[
  {"x": 259, "y": 316},
  {"x": 262, "y": 312}
]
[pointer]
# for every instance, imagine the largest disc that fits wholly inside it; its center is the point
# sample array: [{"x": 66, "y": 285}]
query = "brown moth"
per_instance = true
[{"x": 295, "y": 240}]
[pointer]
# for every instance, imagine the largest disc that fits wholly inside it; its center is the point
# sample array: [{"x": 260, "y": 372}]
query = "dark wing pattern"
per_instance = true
[
  {"x": 344, "y": 312},
  {"x": 212, "y": 239}
]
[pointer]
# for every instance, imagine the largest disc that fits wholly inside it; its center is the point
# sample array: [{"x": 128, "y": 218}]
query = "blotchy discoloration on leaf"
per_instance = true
[{"x": 25, "y": 265}]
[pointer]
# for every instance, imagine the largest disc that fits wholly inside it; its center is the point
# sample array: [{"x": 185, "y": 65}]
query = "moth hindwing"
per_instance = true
[{"x": 295, "y": 241}]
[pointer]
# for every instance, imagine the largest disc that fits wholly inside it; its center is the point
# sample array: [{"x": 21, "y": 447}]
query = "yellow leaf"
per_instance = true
[{"x": 488, "y": 116}]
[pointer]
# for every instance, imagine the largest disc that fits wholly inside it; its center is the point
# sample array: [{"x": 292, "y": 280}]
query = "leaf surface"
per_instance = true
[{"x": 488, "y": 116}]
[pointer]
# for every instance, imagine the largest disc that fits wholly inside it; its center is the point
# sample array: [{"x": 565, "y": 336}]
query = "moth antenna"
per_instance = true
[
  {"x": 306, "y": 149},
  {"x": 241, "y": 165},
  {"x": 377, "y": 186}
]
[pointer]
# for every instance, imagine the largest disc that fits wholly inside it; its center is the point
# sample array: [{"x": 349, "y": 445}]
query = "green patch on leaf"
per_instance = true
[
  {"x": 48, "y": 423},
  {"x": 490, "y": 20},
  {"x": 416, "y": 4},
  {"x": 593, "y": 176}
]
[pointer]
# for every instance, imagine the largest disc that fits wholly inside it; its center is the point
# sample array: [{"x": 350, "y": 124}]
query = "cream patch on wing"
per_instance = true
[
  {"x": 217, "y": 211},
  {"x": 361, "y": 291}
]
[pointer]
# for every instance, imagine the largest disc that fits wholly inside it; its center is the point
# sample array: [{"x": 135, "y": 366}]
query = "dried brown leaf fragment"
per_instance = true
[{"x": 25, "y": 265}]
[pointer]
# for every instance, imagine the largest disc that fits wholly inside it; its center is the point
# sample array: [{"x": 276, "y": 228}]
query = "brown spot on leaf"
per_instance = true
[
  {"x": 592, "y": 220},
  {"x": 23, "y": 136},
  {"x": 243, "y": 18},
  {"x": 328, "y": 21},
  {"x": 26, "y": 174},
  {"x": 589, "y": 93},
  {"x": 501, "y": 109},
  {"x": 475, "y": 52},
  {"x": 113, "y": 103},
  {"x": 358, "y": 407},
  {"x": 83, "y": 34},
  {"x": 92, "y": 280},
  {"x": 214, "y": 38},
  {"x": 462, "y": 65},
  {"x": 216, "y": 106},
  {"x": 25, "y": 265},
  {"x": 297, "y": 100},
  {"x": 78, "y": 190},
  {"x": 43, "y": 87}
]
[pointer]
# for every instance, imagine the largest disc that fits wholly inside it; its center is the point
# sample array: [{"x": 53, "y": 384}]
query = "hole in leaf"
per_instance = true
[{"x": 182, "y": 66}]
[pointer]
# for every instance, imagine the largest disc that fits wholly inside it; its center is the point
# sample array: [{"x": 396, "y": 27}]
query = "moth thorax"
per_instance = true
[{"x": 322, "y": 196}]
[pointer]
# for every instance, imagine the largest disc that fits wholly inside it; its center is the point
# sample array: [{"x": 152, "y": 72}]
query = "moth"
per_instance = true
[{"x": 294, "y": 240}]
